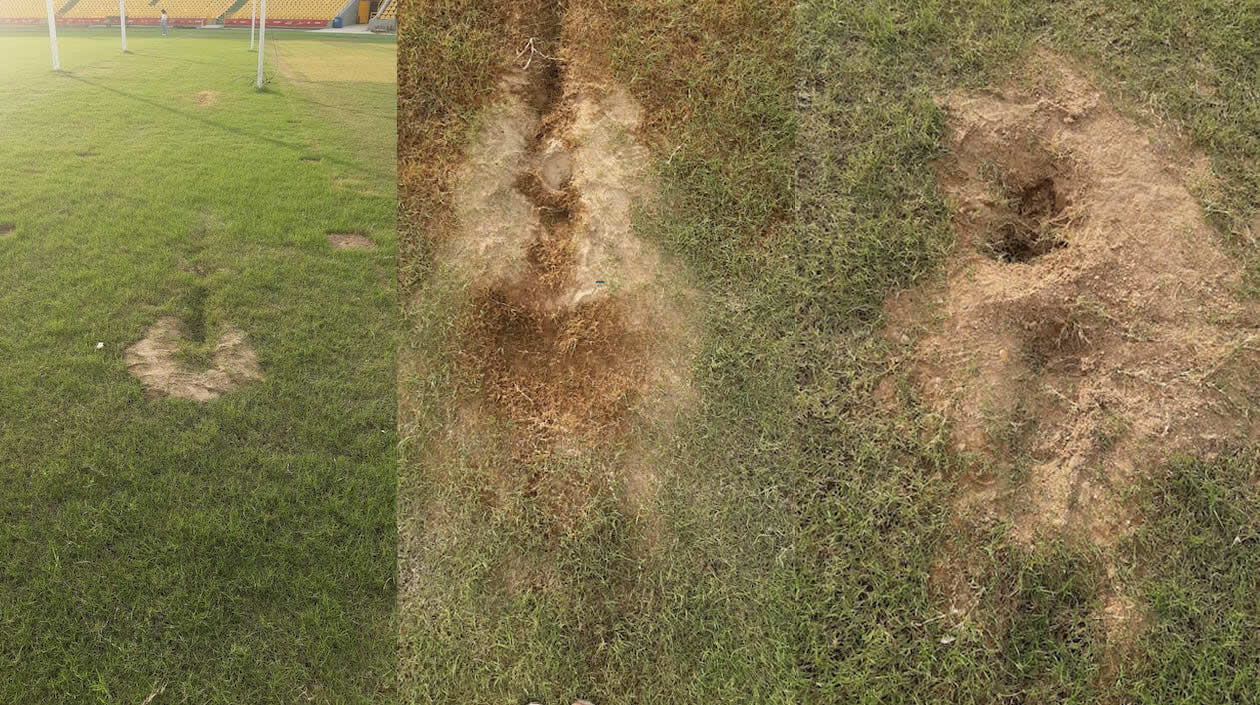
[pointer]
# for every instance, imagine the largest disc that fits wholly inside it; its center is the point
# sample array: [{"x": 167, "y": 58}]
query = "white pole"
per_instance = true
[
  {"x": 122, "y": 19},
  {"x": 253, "y": 10},
  {"x": 52, "y": 35},
  {"x": 262, "y": 35}
]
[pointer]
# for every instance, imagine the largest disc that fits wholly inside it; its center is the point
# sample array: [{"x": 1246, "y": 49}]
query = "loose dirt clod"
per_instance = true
[
  {"x": 556, "y": 170},
  {"x": 207, "y": 98},
  {"x": 154, "y": 361},
  {"x": 1088, "y": 328},
  {"x": 350, "y": 241}
]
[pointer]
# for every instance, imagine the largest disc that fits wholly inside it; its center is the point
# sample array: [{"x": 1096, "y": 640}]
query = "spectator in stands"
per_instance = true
[{"x": 163, "y": 22}]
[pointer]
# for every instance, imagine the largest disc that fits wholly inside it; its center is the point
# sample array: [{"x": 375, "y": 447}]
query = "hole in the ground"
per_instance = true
[
  {"x": 1029, "y": 229},
  {"x": 6, "y": 228},
  {"x": 547, "y": 90}
]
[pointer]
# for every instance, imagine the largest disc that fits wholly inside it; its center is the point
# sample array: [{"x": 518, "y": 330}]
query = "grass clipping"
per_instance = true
[{"x": 1087, "y": 328}]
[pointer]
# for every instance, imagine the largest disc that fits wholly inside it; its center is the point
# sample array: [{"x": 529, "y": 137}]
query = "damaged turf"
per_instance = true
[
  {"x": 572, "y": 328},
  {"x": 155, "y": 362},
  {"x": 1087, "y": 329},
  {"x": 1089, "y": 319}
]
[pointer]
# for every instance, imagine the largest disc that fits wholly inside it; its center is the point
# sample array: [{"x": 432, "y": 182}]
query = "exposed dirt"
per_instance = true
[
  {"x": 85, "y": 155},
  {"x": 6, "y": 228},
  {"x": 309, "y": 160},
  {"x": 1088, "y": 326},
  {"x": 206, "y": 98},
  {"x": 350, "y": 241},
  {"x": 154, "y": 361},
  {"x": 574, "y": 329}
]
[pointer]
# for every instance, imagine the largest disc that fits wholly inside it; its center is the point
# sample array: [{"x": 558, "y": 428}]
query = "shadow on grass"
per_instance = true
[{"x": 297, "y": 149}]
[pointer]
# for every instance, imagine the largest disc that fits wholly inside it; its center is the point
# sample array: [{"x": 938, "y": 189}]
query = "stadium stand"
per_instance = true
[
  {"x": 291, "y": 13},
  {"x": 22, "y": 11},
  {"x": 280, "y": 13}
]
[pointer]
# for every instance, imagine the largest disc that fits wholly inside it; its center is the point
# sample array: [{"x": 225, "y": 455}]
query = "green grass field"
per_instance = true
[{"x": 241, "y": 550}]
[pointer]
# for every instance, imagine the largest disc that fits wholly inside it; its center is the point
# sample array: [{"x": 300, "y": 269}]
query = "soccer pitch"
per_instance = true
[{"x": 234, "y": 550}]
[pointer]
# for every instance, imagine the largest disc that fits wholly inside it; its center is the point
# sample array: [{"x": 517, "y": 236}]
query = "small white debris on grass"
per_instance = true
[{"x": 100, "y": 345}]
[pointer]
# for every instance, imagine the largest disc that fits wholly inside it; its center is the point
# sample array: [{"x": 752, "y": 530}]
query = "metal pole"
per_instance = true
[
  {"x": 262, "y": 36},
  {"x": 52, "y": 34},
  {"x": 122, "y": 20},
  {"x": 253, "y": 12}
]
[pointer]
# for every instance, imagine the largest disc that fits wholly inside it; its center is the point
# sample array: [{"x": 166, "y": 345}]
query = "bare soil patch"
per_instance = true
[
  {"x": 350, "y": 241},
  {"x": 206, "y": 98},
  {"x": 85, "y": 154},
  {"x": 573, "y": 330},
  {"x": 1088, "y": 321},
  {"x": 6, "y": 228},
  {"x": 308, "y": 160},
  {"x": 154, "y": 361}
]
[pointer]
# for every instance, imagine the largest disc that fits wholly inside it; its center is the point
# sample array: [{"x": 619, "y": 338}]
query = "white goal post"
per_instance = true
[
  {"x": 52, "y": 35},
  {"x": 262, "y": 35}
]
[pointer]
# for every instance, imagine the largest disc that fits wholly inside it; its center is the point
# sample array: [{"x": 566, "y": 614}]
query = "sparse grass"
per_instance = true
[{"x": 240, "y": 551}]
